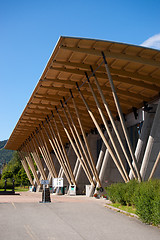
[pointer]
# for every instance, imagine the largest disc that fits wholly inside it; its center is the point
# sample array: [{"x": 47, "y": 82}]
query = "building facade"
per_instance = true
[{"x": 93, "y": 118}]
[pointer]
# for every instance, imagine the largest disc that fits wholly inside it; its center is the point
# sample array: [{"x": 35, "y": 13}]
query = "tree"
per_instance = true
[{"x": 14, "y": 169}]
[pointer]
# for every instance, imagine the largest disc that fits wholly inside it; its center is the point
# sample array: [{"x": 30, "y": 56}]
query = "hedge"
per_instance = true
[{"x": 145, "y": 197}]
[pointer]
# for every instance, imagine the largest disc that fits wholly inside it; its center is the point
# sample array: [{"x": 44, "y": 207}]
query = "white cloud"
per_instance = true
[{"x": 152, "y": 42}]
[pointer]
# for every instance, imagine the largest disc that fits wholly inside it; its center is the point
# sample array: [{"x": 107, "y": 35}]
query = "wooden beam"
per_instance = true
[
  {"x": 109, "y": 54},
  {"x": 75, "y": 150},
  {"x": 37, "y": 159},
  {"x": 124, "y": 127},
  {"x": 114, "y": 71},
  {"x": 108, "y": 130},
  {"x": 94, "y": 170},
  {"x": 120, "y": 92},
  {"x": 114, "y": 77},
  {"x": 63, "y": 149},
  {"x": 103, "y": 137},
  {"x": 81, "y": 144},
  {"x": 91, "y": 101},
  {"x": 87, "y": 94},
  {"x": 57, "y": 151},
  {"x": 154, "y": 166}
]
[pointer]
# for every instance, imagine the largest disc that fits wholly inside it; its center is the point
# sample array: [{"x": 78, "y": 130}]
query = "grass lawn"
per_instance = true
[
  {"x": 129, "y": 209},
  {"x": 21, "y": 189},
  {"x": 17, "y": 189}
]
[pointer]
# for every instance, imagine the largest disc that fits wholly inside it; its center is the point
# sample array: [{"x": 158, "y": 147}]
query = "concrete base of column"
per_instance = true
[{"x": 152, "y": 148}]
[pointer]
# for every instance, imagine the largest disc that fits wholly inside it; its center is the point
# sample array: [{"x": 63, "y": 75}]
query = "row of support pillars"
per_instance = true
[{"x": 47, "y": 135}]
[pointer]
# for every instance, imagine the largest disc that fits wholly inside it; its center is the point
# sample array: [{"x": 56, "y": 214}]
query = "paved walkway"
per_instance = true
[{"x": 67, "y": 218}]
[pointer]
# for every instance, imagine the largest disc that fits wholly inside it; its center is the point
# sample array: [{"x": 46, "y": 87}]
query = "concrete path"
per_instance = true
[{"x": 67, "y": 218}]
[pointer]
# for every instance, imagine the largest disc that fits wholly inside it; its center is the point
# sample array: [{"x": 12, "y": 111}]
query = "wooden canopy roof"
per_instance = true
[{"x": 135, "y": 71}]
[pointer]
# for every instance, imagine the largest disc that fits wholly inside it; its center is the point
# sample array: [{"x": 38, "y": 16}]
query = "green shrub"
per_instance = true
[
  {"x": 116, "y": 193},
  {"x": 145, "y": 196},
  {"x": 131, "y": 187},
  {"x": 147, "y": 201},
  {"x": 156, "y": 210}
]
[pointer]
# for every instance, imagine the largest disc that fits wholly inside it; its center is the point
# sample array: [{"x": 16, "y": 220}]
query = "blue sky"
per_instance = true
[{"x": 30, "y": 29}]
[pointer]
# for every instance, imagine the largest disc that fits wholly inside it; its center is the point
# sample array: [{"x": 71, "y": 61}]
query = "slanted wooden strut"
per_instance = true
[
  {"x": 102, "y": 135},
  {"x": 63, "y": 148},
  {"x": 113, "y": 123},
  {"x": 75, "y": 150},
  {"x": 80, "y": 140},
  {"x": 94, "y": 170},
  {"x": 45, "y": 157},
  {"x": 41, "y": 149},
  {"x": 77, "y": 140},
  {"x": 36, "y": 155},
  {"x": 25, "y": 166},
  {"x": 38, "y": 163},
  {"x": 31, "y": 165},
  {"x": 121, "y": 117},
  {"x": 154, "y": 166},
  {"x": 48, "y": 153},
  {"x": 107, "y": 127},
  {"x": 57, "y": 153}
]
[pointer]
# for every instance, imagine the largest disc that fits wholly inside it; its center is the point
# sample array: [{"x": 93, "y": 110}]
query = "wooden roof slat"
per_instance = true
[
  {"x": 105, "y": 88},
  {"x": 135, "y": 72},
  {"x": 121, "y": 56},
  {"x": 119, "y": 72},
  {"x": 115, "y": 78}
]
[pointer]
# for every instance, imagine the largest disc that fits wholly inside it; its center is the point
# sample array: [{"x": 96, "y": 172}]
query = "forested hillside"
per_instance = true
[{"x": 5, "y": 155}]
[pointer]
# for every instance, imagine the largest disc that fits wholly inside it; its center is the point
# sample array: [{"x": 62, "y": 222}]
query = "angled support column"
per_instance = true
[
  {"x": 62, "y": 159},
  {"x": 78, "y": 172},
  {"x": 29, "y": 154},
  {"x": 76, "y": 167},
  {"x": 75, "y": 150},
  {"x": 36, "y": 159},
  {"x": 104, "y": 165},
  {"x": 102, "y": 135},
  {"x": 81, "y": 144},
  {"x": 154, "y": 167},
  {"x": 100, "y": 157},
  {"x": 116, "y": 100},
  {"x": 38, "y": 147},
  {"x": 38, "y": 144},
  {"x": 41, "y": 149},
  {"x": 65, "y": 157},
  {"x": 107, "y": 127},
  {"x": 47, "y": 151},
  {"x": 25, "y": 166},
  {"x": 113, "y": 123},
  {"x": 143, "y": 138},
  {"x": 153, "y": 143},
  {"x": 92, "y": 165},
  {"x": 77, "y": 141},
  {"x": 31, "y": 165},
  {"x": 60, "y": 172},
  {"x": 45, "y": 154},
  {"x": 57, "y": 152}
]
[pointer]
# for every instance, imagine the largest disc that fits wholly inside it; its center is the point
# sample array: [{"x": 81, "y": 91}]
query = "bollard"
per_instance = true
[{"x": 46, "y": 195}]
